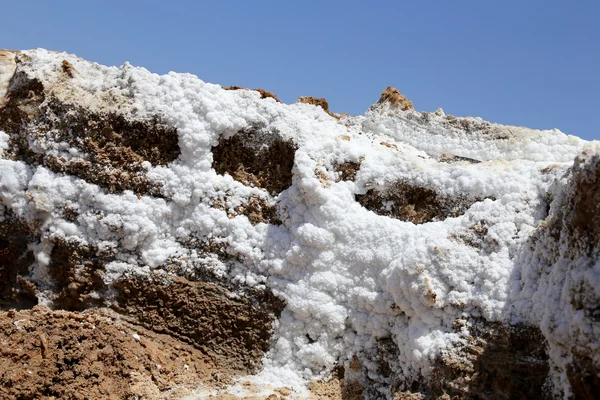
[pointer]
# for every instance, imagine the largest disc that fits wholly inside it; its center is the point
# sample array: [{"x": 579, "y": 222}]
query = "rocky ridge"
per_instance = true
[{"x": 165, "y": 237}]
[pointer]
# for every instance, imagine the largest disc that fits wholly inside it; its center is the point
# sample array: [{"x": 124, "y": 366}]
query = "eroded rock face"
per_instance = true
[
  {"x": 414, "y": 204},
  {"x": 77, "y": 272},
  {"x": 110, "y": 149},
  {"x": 256, "y": 157},
  {"x": 58, "y": 354},
  {"x": 15, "y": 259},
  {"x": 102, "y": 148},
  {"x": 160, "y": 232},
  {"x": 565, "y": 253},
  {"x": 232, "y": 330},
  {"x": 497, "y": 361}
]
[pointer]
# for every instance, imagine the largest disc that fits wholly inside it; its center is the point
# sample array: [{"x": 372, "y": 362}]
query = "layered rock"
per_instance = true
[{"x": 282, "y": 250}]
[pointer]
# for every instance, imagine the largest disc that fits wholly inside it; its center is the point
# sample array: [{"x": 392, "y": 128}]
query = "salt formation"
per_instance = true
[{"x": 410, "y": 253}]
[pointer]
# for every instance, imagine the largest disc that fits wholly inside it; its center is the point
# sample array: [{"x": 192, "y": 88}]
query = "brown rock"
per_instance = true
[
  {"x": 395, "y": 99},
  {"x": 263, "y": 93},
  {"x": 256, "y": 157},
  {"x": 230, "y": 329},
  {"x": 58, "y": 354},
  {"x": 413, "y": 203},
  {"x": 319, "y": 102}
]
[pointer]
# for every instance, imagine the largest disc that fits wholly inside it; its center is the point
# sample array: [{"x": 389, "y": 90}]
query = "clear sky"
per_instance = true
[{"x": 529, "y": 62}]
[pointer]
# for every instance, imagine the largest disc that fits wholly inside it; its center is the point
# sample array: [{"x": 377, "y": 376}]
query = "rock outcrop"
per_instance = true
[{"x": 163, "y": 237}]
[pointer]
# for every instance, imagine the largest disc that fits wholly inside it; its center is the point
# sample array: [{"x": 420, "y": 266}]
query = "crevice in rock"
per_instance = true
[
  {"x": 16, "y": 290},
  {"x": 256, "y": 157},
  {"x": 451, "y": 159},
  {"x": 415, "y": 204}
]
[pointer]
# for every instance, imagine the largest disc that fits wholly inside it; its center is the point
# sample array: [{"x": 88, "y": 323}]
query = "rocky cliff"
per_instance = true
[{"x": 163, "y": 237}]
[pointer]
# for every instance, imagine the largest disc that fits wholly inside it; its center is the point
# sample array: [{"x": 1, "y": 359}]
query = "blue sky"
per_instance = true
[{"x": 532, "y": 63}]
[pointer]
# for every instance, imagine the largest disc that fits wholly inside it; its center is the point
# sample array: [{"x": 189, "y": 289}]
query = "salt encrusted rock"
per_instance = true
[
  {"x": 394, "y": 99},
  {"x": 401, "y": 254}
]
